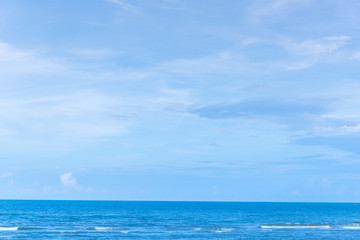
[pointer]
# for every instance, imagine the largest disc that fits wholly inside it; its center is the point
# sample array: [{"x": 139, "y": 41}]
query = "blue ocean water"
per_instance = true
[{"x": 28, "y": 219}]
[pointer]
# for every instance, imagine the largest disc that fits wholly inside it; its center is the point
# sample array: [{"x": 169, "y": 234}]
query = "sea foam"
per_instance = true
[
  {"x": 110, "y": 229},
  {"x": 104, "y": 228},
  {"x": 294, "y": 226},
  {"x": 351, "y": 227},
  {"x": 9, "y": 228},
  {"x": 223, "y": 230}
]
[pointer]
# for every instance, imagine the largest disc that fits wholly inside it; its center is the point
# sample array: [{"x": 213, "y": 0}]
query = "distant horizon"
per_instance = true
[{"x": 110, "y": 200}]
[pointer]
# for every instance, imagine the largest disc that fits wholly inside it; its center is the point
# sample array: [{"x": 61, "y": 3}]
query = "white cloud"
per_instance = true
[
  {"x": 6, "y": 175},
  {"x": 9, "y": 53},
  {"x": 41, "y": 99},
  {"x": 316, "y": 46},
  {"x": 307, "y": 53},
  {"x": 123, "y": 5},
  {"x": 86, "y": 114},
  {"x": 68, "y": 180},
  {"x": 267, "y": 8},
  {"x": 15, "y": 61},
  {"x": 350, "y": 129},
  {"x": 338, "y": 130},
  {"x": 294, "y": 66},
  {"x": 172, "y": 5}
]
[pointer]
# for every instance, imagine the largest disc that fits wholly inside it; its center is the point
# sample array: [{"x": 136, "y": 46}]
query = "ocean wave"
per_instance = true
[
  {"x": 223, "y": 230},
  {"x": 215, "y": 230},
  {"x": 105, "y": 228},
  {"x": 109, "y": 229},
  {"x": 351, "y": 227},
  {"x": 9, "y": 228},
  {"x": 94, "y": 228},
  {"x": 296, "y": 225}
]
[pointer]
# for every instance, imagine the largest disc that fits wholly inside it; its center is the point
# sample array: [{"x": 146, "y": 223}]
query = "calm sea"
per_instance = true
[{"x": 177, "y": 220}]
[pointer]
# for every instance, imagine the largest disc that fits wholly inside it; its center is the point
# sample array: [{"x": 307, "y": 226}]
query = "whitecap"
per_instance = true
[
  {"x": 351, "y": 227},
  {"x": 223, "y": 230},
  {"x": 9, "y": 228},
  {"x": 294, "y": 226},
  {"x": 104, "y": 228},
  {"x": 124, "y": 231},
  {"x": 197, "y": 229}
]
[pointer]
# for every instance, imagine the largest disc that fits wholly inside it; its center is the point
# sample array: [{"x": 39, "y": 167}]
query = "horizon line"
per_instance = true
[{"x": 219, "y": 201}]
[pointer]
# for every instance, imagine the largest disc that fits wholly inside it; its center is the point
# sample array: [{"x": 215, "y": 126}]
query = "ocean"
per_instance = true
[{"x": 37, "y": 219}]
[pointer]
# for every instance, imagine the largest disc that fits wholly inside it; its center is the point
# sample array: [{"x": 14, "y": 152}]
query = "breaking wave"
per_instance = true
[{"x": 9, "y": 228}]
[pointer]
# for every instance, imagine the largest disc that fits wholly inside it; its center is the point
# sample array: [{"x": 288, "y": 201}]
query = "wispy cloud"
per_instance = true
[
  {"x": 86, "y": 113},
  {"x": 16, "y": 61},
  {"x": 123, "y": 5},
  {"x": 313, "y": 51},
  {"x": 343, "y": 130},
  {"x": 272, "y": 8},
  {"x": 298, "y": 65},
  {"x": 316, "y": 46},
  {"x": 172, "y": 5},
  {"x": 52, "y": 102},
  {"x": 9, "y": 53},
  {"x": 6, "y": 175}
]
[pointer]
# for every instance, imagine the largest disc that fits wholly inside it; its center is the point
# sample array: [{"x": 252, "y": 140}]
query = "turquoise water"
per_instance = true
[{"x": 177, "y": 220}]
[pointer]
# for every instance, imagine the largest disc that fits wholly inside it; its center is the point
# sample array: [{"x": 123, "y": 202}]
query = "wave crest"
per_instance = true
[
  {"x": 9, "y": 228},
  {"x": 223, "y": 230},
  {"x": 296, "y": 225},
  {"x": 351, "y": 227}
]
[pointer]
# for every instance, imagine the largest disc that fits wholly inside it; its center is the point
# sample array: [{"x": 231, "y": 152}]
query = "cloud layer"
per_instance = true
[{"x": 154, "y": 94}]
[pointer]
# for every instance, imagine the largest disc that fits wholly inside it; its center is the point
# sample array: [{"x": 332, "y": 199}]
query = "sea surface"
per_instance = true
[{"x": 28, "y": 219}]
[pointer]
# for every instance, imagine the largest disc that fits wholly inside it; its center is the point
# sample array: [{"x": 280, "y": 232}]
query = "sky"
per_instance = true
[{"x": 254, "y": 100}]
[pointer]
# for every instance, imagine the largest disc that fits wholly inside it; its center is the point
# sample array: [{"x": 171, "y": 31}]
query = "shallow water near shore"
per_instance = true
[{"x": 30, "y": 219}]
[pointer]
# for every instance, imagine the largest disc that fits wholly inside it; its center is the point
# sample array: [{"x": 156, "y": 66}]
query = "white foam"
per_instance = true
[
  {"x": 68, "y": 231},
  {"x": 104, "y": 228},
  {"x": 351, "y": 227},
  {"x": 124, "y": 231},
  {"x": 222, "y": 230},
  {"x": 197, "y": 229},
  {"x": 292, "y": 227},
  {"x": 9, "y": 228}
]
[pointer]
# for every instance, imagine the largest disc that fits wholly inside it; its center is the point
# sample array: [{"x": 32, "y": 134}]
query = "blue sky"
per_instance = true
[{"x": 180, "y": 100}]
